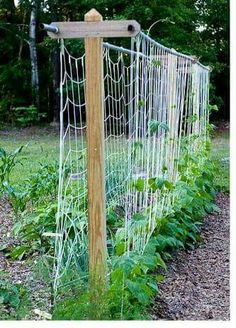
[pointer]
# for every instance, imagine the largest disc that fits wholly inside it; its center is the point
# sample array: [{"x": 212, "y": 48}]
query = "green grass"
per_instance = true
[
  {"x": 220, "y": 154},
  {"x": 41, "y": 146}
]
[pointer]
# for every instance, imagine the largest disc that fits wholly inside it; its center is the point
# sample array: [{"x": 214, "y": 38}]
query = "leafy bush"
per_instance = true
[
  {"x": 35, "y": 206},
  {"x": 40, "y": 187},
  {"x": 36, "y": 231},
  {"x": 27, "y": 116}
]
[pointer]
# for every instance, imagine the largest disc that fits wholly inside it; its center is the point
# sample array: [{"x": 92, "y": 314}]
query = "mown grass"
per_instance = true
[
  {"x": 42, "y": 146},
  {"x": 221, "y": 155}
]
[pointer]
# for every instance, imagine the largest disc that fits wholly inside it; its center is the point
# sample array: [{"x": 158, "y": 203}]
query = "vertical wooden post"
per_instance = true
[
  {"x": 95, "y": 153},
  {"x": 172, "y": 113}
]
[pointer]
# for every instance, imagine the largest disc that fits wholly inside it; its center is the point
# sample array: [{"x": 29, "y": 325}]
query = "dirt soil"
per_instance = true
[{"x": 197, "y": 284}]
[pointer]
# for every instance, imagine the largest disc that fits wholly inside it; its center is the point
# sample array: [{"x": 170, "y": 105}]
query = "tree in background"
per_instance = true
[
  {"x": 195, "y": 27},
  {"x": 214, "y": 33},
  {"x": 34, "y": 6}
]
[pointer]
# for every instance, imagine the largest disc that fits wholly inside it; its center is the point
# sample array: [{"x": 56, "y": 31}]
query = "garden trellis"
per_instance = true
[{"x": 127, "y": 119}]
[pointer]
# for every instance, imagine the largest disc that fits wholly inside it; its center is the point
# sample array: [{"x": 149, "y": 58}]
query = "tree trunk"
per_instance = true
[
  {"x": 22, "y": 41},
  {"x": 33, "y": 57}
]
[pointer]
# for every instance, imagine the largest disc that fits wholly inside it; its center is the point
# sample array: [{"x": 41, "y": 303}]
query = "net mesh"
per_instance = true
[{"x": 155, "y": 107}]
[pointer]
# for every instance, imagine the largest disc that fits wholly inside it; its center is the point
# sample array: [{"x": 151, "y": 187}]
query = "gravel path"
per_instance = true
[
  {"x": 21, "y": 271},
  {"x": 197, "y": 283}
]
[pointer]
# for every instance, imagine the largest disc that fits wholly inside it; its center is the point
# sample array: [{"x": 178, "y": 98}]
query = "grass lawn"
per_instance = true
[
  {"x": 42, "y": 146},
  {"x": 221, "y": 153}
]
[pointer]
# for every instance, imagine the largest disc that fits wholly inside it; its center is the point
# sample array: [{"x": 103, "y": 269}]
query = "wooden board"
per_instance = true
[
  {"x": 100, "y": 29},
  {"x": 95, "y": 151}
]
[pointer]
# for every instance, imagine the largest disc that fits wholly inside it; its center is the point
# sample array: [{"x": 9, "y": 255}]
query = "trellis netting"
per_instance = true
[{"x": 155, "y": 111}]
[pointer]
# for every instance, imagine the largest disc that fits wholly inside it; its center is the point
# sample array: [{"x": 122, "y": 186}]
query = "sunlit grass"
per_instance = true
[
  {"x": 221, "y": 154},
  {"x": 39, "y": 147},
  {"x": 42, "y": 146}
]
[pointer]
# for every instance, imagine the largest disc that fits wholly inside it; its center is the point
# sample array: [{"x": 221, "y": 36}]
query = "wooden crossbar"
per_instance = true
[{"x": 95, "y": 29}]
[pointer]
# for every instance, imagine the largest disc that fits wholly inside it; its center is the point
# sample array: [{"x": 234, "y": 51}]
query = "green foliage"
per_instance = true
[
  {"x": 14, "y": 302},
  {"x": 154, "y": 126},
  {"x": 26, "y": 116},
  {"x": 14, "y": 79},
  {"x": 212, "y": 108},
  {"x": 156, "y": 62},
  {"x": 35, "y": 204},
  {"x": 40, "y": 187},
  {"x": 220, "y": 156},
  {"x": 136, "y": 147},
  {"x": 141, "y": 102},
  {"x": 192, "y": 119},
  {"x": 200, "y": 28},
  {"x": 133, "y": 278},
  {"x": 8, "y": 160},
  {"x": 36, "y": 231}
]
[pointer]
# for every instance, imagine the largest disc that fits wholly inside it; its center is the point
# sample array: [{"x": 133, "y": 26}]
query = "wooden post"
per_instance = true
[
  {"x": 95, "y": 152},
  {"x": 172, "y": 114}
]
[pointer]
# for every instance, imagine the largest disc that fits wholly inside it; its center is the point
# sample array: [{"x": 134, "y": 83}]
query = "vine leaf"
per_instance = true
[
  {"x": 154, "y": 125},
  {"x": 141, "y": 102},
  {"x": 156, "y": 62}
]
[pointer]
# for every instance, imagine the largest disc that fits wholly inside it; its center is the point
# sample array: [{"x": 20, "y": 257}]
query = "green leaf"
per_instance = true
[
  {"x": 117, "y": 275},
  {"x": 164, "y": 126},
  {"x": 153, "y": 286},
  {"x": 212, "y": 108},
  {"x": 153, "y": 126},
  {"x": 168, "y": 185},
  {"x": 152, "y": 184},
  {"x": 160, "y": 261},
  {"x": 18, "y": 252},
  {"x": 160, "y": 278},
  {"x": 141, "y": 102},
  {"x": 3, "y": 247},
  {"x": 156, "y": 62},
  {"x": 137, "y": 291},
  {"x": 139, "y": 184},
  {"x": 160, "y": 182},
  {"x": 120, "y": 248},
  {"x": 138, "y": 217}
]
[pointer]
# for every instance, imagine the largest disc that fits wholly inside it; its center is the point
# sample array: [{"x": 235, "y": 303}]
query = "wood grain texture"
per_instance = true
[
  {"x": 100, "y": 29},
  {"x": 172, "y": 114},
  {"x": 95, "y": 143}
]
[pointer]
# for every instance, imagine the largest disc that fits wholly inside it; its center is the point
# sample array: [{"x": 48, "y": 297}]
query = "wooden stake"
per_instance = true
[
  {"x": 95, "y": 151},
  {"x": 172, "y": 114}
]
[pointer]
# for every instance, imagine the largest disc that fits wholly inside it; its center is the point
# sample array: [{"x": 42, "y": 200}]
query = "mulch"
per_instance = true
[{"x": 197, "y": 285}]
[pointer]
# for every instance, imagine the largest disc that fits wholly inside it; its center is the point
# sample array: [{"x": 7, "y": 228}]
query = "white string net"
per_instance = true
[{"x": 155, "y": 100}]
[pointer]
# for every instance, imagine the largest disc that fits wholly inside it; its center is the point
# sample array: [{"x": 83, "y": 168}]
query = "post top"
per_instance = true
[{"x": 92, "y": 16}]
